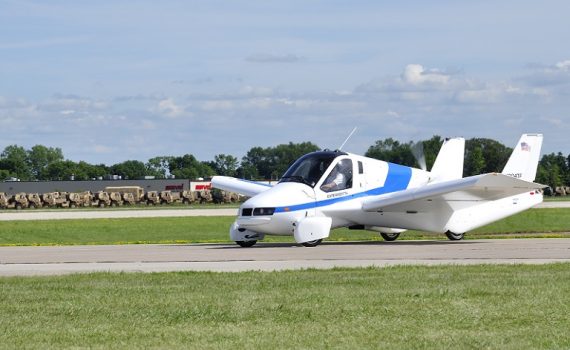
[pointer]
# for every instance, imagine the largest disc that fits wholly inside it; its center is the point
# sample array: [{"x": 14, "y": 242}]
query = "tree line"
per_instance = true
[{"x": 48, "y": 163}]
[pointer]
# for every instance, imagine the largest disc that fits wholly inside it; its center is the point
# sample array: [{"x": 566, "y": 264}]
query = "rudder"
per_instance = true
[
  {"x": 524, "y": 160},
  {"x": 449, "y": 162}
]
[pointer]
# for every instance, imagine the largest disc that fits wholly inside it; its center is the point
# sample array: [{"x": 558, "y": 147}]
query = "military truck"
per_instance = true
[
  {"x": 17, "y": 201},
  {"x": 116, "y": 198},
  {"x": 220, "y": 196},
  {"x": 101, "y": 199},
  {"x": 205, "y": 196},
  {"x": 168, "y": 197},
  {"x": 137, "y": 193},
  {"x": 81, "y": 199},
  {"x": 4, "y": 199},
  {"x": 152, "y": 198},
  {"x": 55, "y": 199},
  {"x": 34, "y": 200},
  {"x": 189, "y": 197}
]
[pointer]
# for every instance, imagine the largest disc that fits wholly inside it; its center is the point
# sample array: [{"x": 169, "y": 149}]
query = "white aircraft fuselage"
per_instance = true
[{"x": 331, "y": 189}]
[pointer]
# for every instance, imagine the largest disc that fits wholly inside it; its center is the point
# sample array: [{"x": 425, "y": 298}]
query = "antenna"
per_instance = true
[{"x": 345, "y": 141}]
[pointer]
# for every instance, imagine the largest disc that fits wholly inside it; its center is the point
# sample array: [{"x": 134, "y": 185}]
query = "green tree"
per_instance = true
[
  {"x": 188, "y": 167},
  {"x": 474, "y": 161},
  {"x": 158, "y": 166},
  {"x": 431, "y": 149},
  {"x": 272, "y": 162},
  {"x": 61, "y": 170},
  {"x": 130, "y": 169},
  {"x": 495, "y": 155},
  {"x": 390, "y": 150},
  {"x": 39, "y": 157},
  {"x": 552, "y": 170},
  {"x": 14, "y": 160},
  {"x": 224, "y": 164}
]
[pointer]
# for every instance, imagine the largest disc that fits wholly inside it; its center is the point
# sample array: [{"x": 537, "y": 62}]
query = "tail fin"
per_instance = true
[
  {"x": 524, "y": 160},
  {"x": 449, "y": 162}
]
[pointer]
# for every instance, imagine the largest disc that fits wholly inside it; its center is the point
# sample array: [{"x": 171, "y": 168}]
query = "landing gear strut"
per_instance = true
[{"x": 454, "y": 236}]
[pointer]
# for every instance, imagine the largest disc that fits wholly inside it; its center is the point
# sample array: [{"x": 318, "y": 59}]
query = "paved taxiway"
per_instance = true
[{"x": 281, "y": 256}]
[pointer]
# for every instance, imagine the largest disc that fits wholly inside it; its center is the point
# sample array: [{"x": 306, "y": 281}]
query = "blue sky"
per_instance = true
[{"x": 109, "y": 81}]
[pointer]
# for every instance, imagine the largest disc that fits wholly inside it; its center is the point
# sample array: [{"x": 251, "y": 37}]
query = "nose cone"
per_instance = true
[{"x": 275, "y": 210}]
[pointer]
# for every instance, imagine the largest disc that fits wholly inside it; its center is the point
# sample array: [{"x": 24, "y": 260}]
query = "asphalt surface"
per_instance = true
[{"x": 23, "y": 261}]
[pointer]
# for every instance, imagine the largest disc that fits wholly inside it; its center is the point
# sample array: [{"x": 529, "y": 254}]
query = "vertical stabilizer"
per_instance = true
[
  {"x": 524, "y": 160},
  {"x": 449, "y": 162}
]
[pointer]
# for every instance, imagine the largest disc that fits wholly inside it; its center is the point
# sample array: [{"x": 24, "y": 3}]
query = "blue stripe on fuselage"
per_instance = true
[{"x": 398, "y": 179}]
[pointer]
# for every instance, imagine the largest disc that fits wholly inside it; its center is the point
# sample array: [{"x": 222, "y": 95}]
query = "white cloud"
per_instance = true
[
  {"x": 168, "y": 108},
  {"x": 416, "y": 74},
  {"x": 563, "y": 65}
]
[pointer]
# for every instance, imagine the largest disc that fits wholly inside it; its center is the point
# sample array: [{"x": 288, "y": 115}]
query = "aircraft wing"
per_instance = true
[
  {"x": 244, "y": 187},
  {"x": 464, "y": 192}
]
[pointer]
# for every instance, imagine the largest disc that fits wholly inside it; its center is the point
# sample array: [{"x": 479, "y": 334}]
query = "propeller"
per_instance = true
[{"x": 418, "y": 152}]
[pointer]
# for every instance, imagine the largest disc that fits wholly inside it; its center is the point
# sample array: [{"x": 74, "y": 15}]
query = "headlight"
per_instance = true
[{"x": 263, "y": 211}]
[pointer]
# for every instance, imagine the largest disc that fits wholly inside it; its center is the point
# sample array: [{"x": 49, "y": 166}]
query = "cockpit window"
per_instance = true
[
  {"x": 309, "y": 168},
  {"x": 340, "y": 177}
]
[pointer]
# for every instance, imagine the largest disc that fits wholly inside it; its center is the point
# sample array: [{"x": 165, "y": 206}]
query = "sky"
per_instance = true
[{"x": 109, "y": 81}]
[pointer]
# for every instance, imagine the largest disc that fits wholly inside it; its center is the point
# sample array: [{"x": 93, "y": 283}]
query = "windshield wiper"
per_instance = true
[{"x": 298, "y": 177}]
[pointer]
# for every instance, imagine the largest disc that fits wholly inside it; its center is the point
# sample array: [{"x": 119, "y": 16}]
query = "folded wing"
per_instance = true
[
  {"x": 244, "y": 187},
  {"x": 460, "y": 193}
]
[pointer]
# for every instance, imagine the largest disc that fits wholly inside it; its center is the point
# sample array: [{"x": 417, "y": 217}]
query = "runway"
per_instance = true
[{"x": 25, "y": 261}]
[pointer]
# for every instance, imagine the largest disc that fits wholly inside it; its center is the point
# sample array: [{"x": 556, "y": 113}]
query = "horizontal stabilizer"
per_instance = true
[
  {"x": 244, "y": 187},
  {"x": 484, "y": 187}
]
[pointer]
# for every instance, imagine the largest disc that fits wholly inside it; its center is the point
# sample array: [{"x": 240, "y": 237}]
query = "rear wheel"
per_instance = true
[
  {"x": 454, "y": 236},
  {"x": 389, "y": 236},
  {"x": 246, "y": 244},
  {"x": 314, "y": 243}
]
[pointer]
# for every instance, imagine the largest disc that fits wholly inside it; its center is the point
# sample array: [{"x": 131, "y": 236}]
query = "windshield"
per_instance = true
[{"x": 309, "y": 168}]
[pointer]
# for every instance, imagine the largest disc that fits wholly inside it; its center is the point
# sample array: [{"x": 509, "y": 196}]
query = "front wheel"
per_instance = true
[
  {"x": 454, "y": 236},
  {"x": 314, "y": 243},
  {"x": 389, "y": 236},
  {"x": 246, "y": 244}
]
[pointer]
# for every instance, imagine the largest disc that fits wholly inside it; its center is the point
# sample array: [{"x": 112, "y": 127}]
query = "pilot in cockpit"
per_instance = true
[{"x": 339, "y": 177}]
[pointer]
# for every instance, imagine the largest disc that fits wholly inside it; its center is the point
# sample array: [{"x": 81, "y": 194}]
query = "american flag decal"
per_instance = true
[{"x": 525, "y": 147}]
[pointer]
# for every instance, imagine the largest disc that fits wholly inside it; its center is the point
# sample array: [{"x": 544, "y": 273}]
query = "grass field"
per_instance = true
[
  {"x": 547, "y": 222},
  {"x": 458, "y": 307},
  {"x": 532, "y": 223}
]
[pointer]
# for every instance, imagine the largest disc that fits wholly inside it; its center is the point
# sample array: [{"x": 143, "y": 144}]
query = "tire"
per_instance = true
[
  {"x": 18, "y": 206},
  {"x": 246, "y": 244},
  {"x": 32, "y": 206},
  {"x": 102, "y": 205},
  {"x": 72, "y": 205},
  {"x": 390, "y": 236},
  {"x": 452, "y": 236},
  {"x": 311, "y": 244}
]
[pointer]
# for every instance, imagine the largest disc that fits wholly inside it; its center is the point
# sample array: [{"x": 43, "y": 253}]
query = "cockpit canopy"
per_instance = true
[{"x": 310, "y": 168}]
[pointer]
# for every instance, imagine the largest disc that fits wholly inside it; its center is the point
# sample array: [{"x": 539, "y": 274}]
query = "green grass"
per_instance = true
[
  {"x": 557, "y": 199},
  {"x": 414, "y": 307},
  {"x": 531, "y": 223}
]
